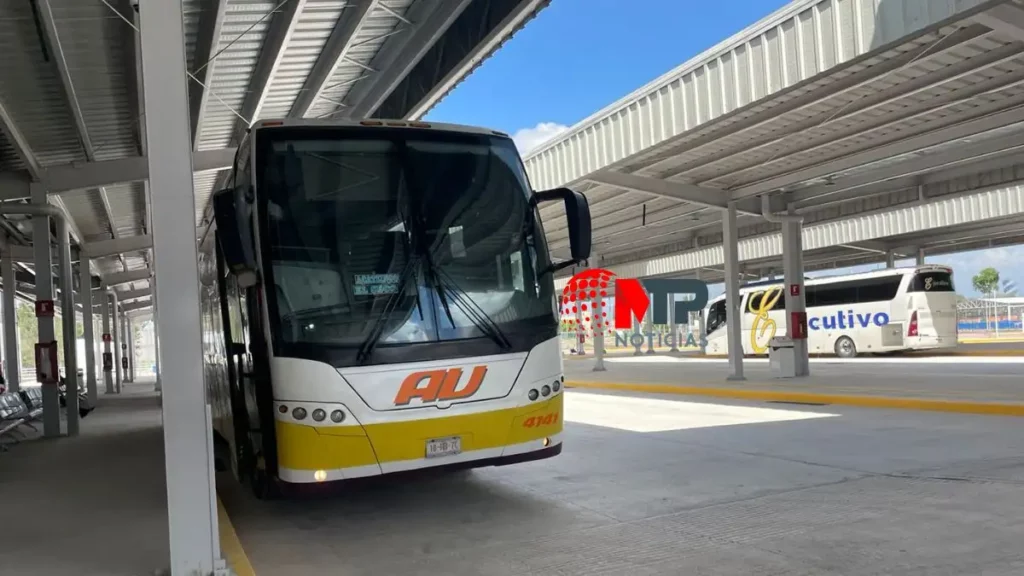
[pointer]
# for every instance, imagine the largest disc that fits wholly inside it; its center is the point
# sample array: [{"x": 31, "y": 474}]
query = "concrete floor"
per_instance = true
[
  {"x": 95, "y": 505},
  {"x": 951, "y": 378},
  {"x": 657, "y": 485}
]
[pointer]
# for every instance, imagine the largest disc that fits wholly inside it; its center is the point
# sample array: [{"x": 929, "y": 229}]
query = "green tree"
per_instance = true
[{"x": 987, "y": 281}]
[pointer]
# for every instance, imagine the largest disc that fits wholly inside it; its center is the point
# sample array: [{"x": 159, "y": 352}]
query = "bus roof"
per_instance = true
[
  {"x": 904, "y": 270},
  {"x": 370, "y": 123}
]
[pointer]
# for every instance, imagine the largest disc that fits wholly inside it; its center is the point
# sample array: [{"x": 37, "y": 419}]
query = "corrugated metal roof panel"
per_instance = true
[
  {"x": 87, "y": 210},
  {"x": 43, "y": 117},
  {"x": 377, "y": 30},
  {"x": 234, "y": 58},
  {"x": 314, "y": 26},
  {"x": 97, "y": 47}
]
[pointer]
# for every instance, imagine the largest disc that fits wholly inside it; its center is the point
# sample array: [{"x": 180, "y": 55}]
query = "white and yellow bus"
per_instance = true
[
  {"x": 882, "y": 311},
  {"x": 378, "y": 298}
]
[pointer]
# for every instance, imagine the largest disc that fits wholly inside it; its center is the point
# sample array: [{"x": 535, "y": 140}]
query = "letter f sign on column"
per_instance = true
[{"x": 631, "y": 300}]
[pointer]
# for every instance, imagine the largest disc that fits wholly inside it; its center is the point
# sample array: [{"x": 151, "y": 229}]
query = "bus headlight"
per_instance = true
[
  {"x": 337, "y": 416},
  {"x": 533, "y": 395},
  {"x": 556, "y": 385},
  {"x": 319, "y": 415},
  {"x": 545, "y": 390},
  {"x": 299, "y": 413}
]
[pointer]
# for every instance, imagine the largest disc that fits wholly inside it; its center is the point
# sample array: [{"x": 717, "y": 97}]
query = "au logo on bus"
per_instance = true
[
  {"x": 432, "y": 386},
  {"x": 586, "y": 295}
]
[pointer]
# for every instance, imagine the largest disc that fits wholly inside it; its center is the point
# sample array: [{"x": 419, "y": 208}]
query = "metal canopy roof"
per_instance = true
[
  {"x": 835, "y": 108},
  {"x": 71, "y": 104}
]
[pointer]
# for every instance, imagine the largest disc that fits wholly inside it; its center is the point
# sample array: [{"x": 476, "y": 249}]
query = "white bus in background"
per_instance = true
[{"x": 883, "y": 311}]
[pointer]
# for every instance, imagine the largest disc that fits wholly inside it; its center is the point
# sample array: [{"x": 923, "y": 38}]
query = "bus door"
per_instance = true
[{"x": 239, "y": 365}]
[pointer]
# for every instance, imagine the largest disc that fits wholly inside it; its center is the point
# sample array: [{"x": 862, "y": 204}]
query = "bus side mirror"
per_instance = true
[
  {"x": 233, "y": 234},
  {"x": 577, "y": 216}
]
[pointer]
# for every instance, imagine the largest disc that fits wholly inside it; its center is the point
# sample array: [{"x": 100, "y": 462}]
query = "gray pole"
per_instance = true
[
  {"x": 730, "y": 243},
  {"x": 115, "y": 332},
  {"x": 12, "y": 363},
  {"x": 108, "y": 377},
  {"x": 70, "y": 334},
  {"x": 44, "y": 291},
  {"x": 85, "y": 295}
]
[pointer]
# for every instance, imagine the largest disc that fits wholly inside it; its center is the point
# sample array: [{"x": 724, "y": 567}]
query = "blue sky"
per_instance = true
[{"x": 578, "y": 56}]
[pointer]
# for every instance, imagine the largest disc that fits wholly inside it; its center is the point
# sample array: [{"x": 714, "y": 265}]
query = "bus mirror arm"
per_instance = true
[
  {"x": 577, "y": 216},
  {"x": 233, "y": 234}
]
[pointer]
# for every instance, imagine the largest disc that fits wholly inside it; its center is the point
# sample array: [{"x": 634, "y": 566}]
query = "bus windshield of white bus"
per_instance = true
[{"x": 382, "y": 239}]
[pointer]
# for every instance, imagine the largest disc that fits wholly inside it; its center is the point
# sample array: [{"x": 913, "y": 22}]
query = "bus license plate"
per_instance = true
[{"x": 444, "y": 446}]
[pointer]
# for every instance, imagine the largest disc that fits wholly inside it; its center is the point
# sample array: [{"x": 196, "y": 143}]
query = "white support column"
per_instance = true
[
  {"x": 920, "y": 256},
  {"x": 702, "y": 323},
  {"x": 85, "y": 296},
  {"x": 890, "y": 259},
  {"x": 793, "y": 270},
  {"x": 12, "y": 356},
  {"x": 131, "y": 350},
  {"x": 580, "y": 347},
  {"x": 115, "y": 333},
  {"x": 191, "y": 499},
  {"x": 673, "y": 328},
  {"x": 70, "y": 335},
  {"x": 44, "y": 291},
  {"x": 638, "y": 343},
  {"x": 108, "y": 375},
  {"x": 125, "y": 374},
  {"x": 649, "y": 326},
  {"x": 599, "y": 325},
  {"x": 730, "y": 240}
]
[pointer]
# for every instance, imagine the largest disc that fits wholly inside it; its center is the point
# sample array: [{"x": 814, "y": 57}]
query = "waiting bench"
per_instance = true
[{"x": 19, "y": 409}]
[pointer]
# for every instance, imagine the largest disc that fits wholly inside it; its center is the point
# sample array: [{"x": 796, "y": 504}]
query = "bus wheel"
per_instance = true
[{"x": 845, "y": 348}]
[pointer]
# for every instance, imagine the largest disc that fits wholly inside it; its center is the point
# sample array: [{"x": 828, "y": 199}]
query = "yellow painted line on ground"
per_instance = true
[
  {"x": 992, "y": 409},
  {"x": 231, "y": 546}
]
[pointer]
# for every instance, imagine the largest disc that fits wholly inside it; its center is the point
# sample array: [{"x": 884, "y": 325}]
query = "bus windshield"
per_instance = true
[{"x": 400, "y": 237}]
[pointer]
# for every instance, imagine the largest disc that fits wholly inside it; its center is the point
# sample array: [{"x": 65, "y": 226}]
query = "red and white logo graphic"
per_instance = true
[{"x": 584, "y": 306}]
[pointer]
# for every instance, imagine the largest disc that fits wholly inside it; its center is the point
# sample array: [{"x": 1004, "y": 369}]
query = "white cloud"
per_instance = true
[{"x": 528, "y": 139}]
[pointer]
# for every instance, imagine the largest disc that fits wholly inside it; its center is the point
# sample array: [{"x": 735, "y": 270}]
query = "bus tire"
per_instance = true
[{"x": 845, "y": 348}]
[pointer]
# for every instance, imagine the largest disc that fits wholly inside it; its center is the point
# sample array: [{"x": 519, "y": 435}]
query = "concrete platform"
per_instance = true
[
  {"x": 652, "y": 485},
  {"x": 972, "y": 385},
  {"x": 94, "y": 505}
]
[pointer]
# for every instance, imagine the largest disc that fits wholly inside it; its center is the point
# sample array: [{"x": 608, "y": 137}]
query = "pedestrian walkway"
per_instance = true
[
  {"x": 969, "y": 385},
  {"x": 91, "y": 505}
]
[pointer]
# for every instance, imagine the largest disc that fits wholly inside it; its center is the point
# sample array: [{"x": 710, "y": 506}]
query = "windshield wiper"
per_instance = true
[
  {"x": 470, "y": 308},
  {"x": 366, "y": 348}
]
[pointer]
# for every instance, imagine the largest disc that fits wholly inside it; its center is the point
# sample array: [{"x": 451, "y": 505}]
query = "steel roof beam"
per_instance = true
[
  {"x": 21, "y": 145},
  {"x": 126, "y": 277},
  {"x": 123, "y": 295},
  {"x": 354, "y": 16},
  {"x": 473, "y": 29},
  {"x": 676, "y": 190},
  {"x": 71, "y": 97},
  {"x": 852, "y": 187},
  {"x": 135, "y": 306},
  {"x": 68, "y": 177},
  {"x": 104, "y": 248},
  {"x": 864, "y": 105},
  {"x": 208, "y": 38},
  {"x": 1005, "y": 19},
  {"x": 280, "y": 31},
  {"x": 805, "y": 102},
  {"x": 397, "y": 58},
  {"x": 987, "y": 119}
]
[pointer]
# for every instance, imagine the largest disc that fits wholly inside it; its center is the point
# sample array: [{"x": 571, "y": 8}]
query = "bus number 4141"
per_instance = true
[{"x": 547, "y": 420}]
